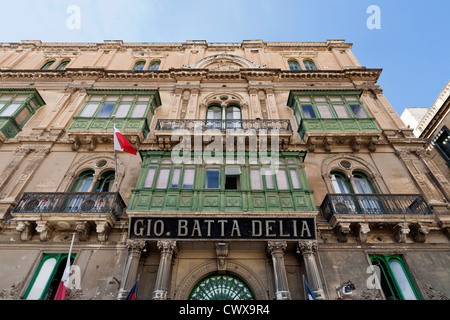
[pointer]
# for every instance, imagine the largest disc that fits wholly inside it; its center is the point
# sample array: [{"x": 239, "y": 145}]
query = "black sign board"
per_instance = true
[{"x": 221, "y": 228}]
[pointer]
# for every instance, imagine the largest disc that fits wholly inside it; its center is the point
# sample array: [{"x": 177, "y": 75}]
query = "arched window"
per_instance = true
[
  {"x": 221, "y": 287},
  {"x": 154, "y": 65},
  {"x": 309, "y": 65},
  {"x": 62, "y": 65},
  {"x": 294, "y": 65},
  {"x": 395, "y": 280},
  {"x": 106, "y": 182},
  {"x": 214, "y": 117},
  {"x": 47, "y": 65},
  {"x": 86, "y": 183},
  {"x": 139, "y": 65},
  {"x": 234, "y": 117}
]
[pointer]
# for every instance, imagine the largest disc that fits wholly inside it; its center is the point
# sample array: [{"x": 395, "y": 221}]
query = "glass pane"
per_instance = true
[
  {"x": 139, "y": 111},
  {"x": 358, "y": 111},
  {"x": 139, "y": 65},
  {"x": 95, "y": 98},
  {"x": 105, "y": 111},
  {"x": 9, "y": 110},
  {"x": 233, "y": 113},
  {"x": 6, "y": 97},
  {"x": 154, "y": 65},
  {"x": 255, "y": 177},
  {"x": 341, "y": 111},
  {"x": 143, "y": 98},
  {"x": 122, "y": 111},
  {"x": 339, "y": 184},
  {"x": 83, "y": 184},
  {"x": 402, "y": 280},
  {"x": 308, "y": 111},
  {"x": 175, "y": 178},
  {"x": 149, "y": 179},
  {"x": 336, "y": 99},
  {"x": 42, "y": 279},
  {"x": 188, "y": 179},
  {"x": 112, "y": 98},
  {"x": 362, "y": 185},
  {"x": 325, "y": 111},
  {"x": 294, "y": 65},
  {"x": 214, "y": 113},
  {"x": 21, "y": 98},
  {"x": 128, "y": 98},
  {"x": 212, "y": 179},
  {"x": 163, "y": 178},
  {"x": 89, "y": 110},
  {"x": 282, "y": 180},
  {"x": 269, "y": 178},
  {"x": 297, "y": 115},
  {"x": 22, "y": 116},
  {"x": 295, "y": 179}
]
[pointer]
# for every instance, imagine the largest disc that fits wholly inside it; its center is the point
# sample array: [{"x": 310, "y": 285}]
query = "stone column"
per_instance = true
[
  {"x": 308, "y": 248},
  {"x": 135, "y": 250},
  {"x": 167, "y": 248},
  {"x": 276, "y": 250}
]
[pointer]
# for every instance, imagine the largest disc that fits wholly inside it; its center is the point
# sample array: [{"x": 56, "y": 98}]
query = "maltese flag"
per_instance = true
[
  {"x": 61, "y": 292},
  {"x": 122, "y": 144}
]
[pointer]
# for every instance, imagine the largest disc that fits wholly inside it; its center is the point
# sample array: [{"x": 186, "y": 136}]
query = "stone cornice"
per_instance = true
[{"x": 194, "y": 74}]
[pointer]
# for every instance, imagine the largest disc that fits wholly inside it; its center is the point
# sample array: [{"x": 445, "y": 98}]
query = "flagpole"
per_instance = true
[
  {"x": 70, "y": 251},
  {"x": 115, "y": 154}
]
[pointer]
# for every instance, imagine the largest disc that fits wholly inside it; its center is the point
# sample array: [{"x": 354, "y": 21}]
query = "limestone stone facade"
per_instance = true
[{"x": 350, "y": 169}]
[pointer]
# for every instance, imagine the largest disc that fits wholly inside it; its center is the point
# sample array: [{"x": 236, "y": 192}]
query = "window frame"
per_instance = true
[
  {"x": 154, "y": 63},
  {"x": 392, "y": 281},
  {"x": 292, "y": 62},
  {"x": 117, "y": 103},
  {"x": 46, "y": 256},
  {"x": 298, "y": 106},
  {"x": 139, "y": 63},
  {"x": 309, "y": 64},
  {"x": 62, "y": 65},
  {"x": 47, "y": 65}
]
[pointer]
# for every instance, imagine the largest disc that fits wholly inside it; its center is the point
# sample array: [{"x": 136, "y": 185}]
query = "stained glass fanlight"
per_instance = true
[{"x": 221, "y": 287}]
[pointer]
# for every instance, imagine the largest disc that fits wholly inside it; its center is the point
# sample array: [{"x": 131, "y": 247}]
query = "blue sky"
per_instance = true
[{"x": 412, "y": 45}]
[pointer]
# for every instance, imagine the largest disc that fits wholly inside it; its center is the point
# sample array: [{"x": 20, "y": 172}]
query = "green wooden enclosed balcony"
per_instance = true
[
  {"x": 133, "y": 110},
  {"x": 330, "y": 111},
  {"x": 228, "y": 187}
]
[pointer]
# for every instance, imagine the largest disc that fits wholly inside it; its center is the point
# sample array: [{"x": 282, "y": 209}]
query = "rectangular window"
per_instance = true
[
  {"x": 282, "y": 181},
  {"x": 325, "y": 112},
  {"x": 341, "y": 111},
  {"x": 149, "y": 179},
  {"x": 268, "y": 176},
  {"x": 139, "y": 111},
  {"x": 105, "y": 111},
  {"x": 175, "y": 178},
  {"x": 122, "y": 111},
  {"x": 212, "y": 179},
  {"x": 9, "y": 110},
  {"x": 22, "y": 116},
  {"x": 308, "y": 111},
  {"x": 297, "y": 115},
  {"x": 163, "y": 178},
  {"x": 188, "y": 179},
  {"x": 256, "y": 181},
  {"x": 89, "y": 110},
  {"x": 295, "y": 179},
  {"x": 358, "y": 111}
]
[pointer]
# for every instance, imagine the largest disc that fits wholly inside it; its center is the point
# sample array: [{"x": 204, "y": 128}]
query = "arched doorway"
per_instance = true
[{"x": 221, "y": 287}]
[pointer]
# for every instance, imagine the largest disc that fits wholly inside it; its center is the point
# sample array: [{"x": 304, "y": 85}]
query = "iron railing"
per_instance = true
[
  {"x": 395, "y": 204},
  {"x": 71, "y": 202},
  {"x": 192, "y": 124}
]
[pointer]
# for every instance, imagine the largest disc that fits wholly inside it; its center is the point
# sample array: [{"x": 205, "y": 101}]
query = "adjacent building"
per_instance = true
[{"x": 262, "y": 167}]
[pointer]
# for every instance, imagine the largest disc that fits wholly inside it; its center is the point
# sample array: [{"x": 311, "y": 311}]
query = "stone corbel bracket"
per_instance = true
[{"x": 222, "y": 256}]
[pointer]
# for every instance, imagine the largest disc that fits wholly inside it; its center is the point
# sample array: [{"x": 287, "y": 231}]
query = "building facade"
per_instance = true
[{"x": 262, "y": 168}]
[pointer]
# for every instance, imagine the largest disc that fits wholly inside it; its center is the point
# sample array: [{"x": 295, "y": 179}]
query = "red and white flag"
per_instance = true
[
  {"x": 121, "y": 143},
  {"x": 62, "y": 288}
]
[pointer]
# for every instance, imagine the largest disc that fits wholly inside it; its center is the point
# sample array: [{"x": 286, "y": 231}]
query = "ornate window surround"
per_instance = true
[
  {"x": 90, "y": 162},
  {"x": 357, "y": 164}
]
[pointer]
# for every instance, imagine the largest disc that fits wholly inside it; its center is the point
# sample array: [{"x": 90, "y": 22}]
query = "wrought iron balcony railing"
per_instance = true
[
  {"x": 395, "y": 204},
  {"x": 71, "y": 202},
  {"x": 191, "y": 124}
]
